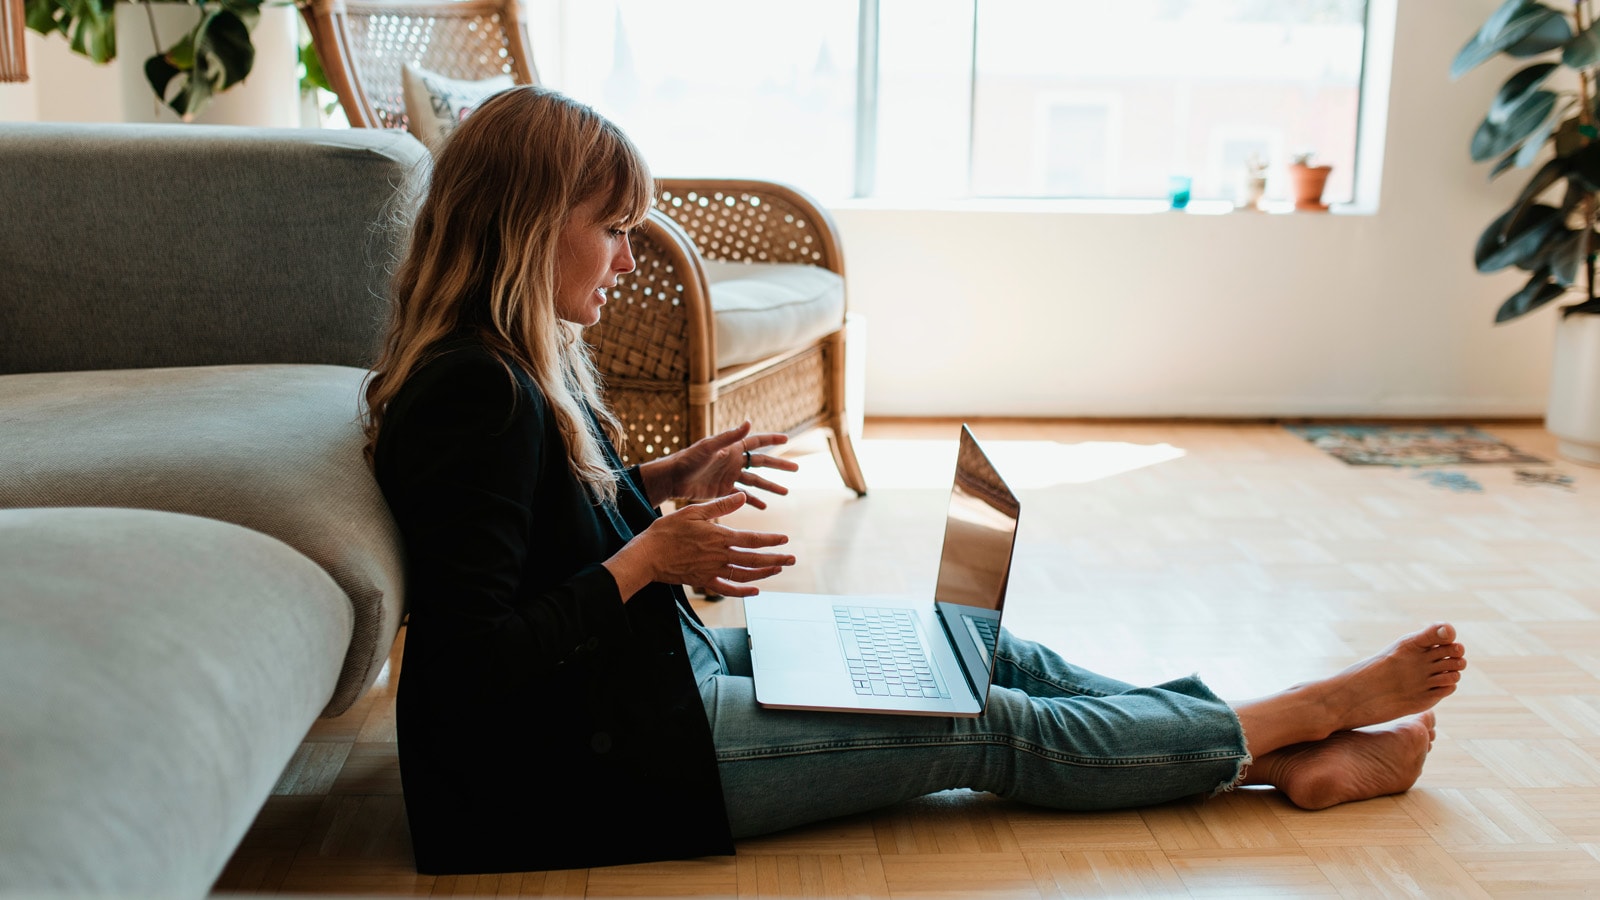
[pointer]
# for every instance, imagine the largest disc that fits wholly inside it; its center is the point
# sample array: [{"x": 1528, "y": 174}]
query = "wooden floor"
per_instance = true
[{"x": 1146, "y": 551}]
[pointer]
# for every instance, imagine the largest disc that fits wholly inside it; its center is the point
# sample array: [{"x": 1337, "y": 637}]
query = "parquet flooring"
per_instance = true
[{"x": 1146, "y": 551}]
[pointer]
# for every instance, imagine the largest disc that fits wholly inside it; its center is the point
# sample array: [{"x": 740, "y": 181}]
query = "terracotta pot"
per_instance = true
[{"x": 1308, "y": 184}]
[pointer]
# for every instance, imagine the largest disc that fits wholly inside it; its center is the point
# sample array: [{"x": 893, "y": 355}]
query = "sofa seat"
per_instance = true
[
  {"x": 274, "y": 448},
  {"x": 766, "y": 308},
  {"x": 158, "y": 670}
]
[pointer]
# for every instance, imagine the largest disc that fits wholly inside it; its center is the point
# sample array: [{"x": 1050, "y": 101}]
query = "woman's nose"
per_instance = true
[{"x": 624, "y": 258}]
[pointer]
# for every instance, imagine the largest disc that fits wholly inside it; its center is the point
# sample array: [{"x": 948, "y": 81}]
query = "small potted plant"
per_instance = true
[
  {"x": 1252, "y": 185},
  {"x": 1549, "y": 231},
  {"x": 1309, "y": 180}
]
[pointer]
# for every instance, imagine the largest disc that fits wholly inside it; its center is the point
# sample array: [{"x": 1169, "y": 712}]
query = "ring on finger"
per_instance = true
[{"x": 747, "y": 459}]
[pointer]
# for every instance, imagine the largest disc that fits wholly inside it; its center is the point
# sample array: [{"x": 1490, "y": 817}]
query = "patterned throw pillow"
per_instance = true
[{"x": 435, "y": 105}]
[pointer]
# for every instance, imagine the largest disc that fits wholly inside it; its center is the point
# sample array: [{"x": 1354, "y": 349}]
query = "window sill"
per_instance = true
[{"x": 1083, "y": 207}]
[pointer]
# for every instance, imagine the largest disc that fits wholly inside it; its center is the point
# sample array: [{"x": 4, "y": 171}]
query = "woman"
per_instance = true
[{"x": 560, "y": 704}]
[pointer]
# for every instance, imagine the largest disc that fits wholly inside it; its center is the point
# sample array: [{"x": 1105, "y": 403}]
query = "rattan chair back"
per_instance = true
[{"x": 364, "y": 45}]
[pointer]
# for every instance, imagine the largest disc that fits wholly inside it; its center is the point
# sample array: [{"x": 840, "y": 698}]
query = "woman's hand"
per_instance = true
[
  {"x": 717, "y": 465},
  {"x": 689, "y": 547}
]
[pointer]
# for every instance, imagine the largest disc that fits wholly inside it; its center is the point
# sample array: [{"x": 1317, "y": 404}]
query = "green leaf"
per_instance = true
[
  {"x": 224, "y": 54},
  {"x": 1548, "y": 175},
  {"x": 1583, "y": 51},
  {"x": 181, "y": 54},
  {"x": 93, "y": 30},
  {"x": 1500, "y": 247},
  {"x": 1516, "y": 88},
  {"x": 1551, "y": 34},
  {"x": 1537, "y": 292},
  {"x": 42, "y": 16},
  {"x": 1497, "y": 20},
  {"x": 1565, "y": 255},
  {"x": 1493, "y": 139},
  {"x": 160, "y": 72},
  {"x": 315, "y": 77},
  {"x": 1532, "y": 22},
  {"x": 1535, "y": 143},
  {"x": 1505, "y": 163}
]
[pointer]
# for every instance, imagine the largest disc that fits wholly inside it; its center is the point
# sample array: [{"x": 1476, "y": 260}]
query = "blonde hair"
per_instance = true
[{"x": 481, "y": 257}]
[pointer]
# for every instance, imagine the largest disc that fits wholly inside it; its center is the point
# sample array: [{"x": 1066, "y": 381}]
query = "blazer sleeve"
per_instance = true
[{"x": 462, "y": 476}]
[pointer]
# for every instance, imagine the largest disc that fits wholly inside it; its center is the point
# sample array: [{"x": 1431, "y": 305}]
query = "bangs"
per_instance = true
[{"x": 632, "y": 190}]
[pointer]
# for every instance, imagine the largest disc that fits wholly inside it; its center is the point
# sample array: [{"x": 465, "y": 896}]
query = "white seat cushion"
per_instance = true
[{"x": 765, "y": 308}]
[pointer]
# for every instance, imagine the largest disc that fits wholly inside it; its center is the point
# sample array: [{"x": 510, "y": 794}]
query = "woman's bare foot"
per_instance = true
[
  {"x": 1350, "y": 765},
  {"x": 1409, "y": 676}
]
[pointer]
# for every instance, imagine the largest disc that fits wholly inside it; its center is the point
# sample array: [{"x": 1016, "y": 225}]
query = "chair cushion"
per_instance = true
[
  {"x": 159, "y": 671},
  {"x": 435, "y": 105},
  {"x": 765, "y": 308},
  {"x": 275, "y": 448}
]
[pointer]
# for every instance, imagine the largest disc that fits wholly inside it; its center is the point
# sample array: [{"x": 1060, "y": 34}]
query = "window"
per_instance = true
[{"x": 930, "y": 99}]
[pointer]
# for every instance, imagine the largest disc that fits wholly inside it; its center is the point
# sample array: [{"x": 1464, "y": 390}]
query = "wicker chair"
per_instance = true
[{"x": 656, "y": 346}]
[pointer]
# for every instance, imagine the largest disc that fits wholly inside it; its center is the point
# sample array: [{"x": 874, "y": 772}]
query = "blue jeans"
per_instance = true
[{"x": 1052, "y": 735}]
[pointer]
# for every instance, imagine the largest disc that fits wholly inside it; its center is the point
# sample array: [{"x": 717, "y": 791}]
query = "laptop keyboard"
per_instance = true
[
  {"x": 885, "y": 653},
  {"x": 985, "y": 633}
]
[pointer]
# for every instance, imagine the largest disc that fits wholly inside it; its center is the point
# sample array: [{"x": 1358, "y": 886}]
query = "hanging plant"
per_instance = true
[
  {"x": 213, "y": 56},
  {"x": 1550, "y": 229}
]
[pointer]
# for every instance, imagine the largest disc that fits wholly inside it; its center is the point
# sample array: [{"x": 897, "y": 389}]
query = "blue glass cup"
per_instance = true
[{"x": 1178, "y": 191}]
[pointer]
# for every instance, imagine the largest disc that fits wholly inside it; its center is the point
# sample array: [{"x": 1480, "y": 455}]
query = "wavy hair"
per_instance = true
[{"x": 481, "y": 257}]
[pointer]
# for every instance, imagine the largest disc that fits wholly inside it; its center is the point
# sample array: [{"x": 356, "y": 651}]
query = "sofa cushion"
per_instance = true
[
  {"x": 273, "y": 448},
  {"x": 764, "y": 308},
  {"x": 159, "y": 670}
]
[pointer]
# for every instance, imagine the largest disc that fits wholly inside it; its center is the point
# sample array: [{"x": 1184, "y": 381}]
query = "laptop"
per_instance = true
[{"x": 915, "y": 656}]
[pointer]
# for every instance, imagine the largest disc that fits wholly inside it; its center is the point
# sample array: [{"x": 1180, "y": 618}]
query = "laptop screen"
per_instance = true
[{"x": 979, "y": 537}]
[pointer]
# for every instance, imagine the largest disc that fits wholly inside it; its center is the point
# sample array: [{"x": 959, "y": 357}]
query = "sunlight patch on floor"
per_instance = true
[{"x": 1026, "y": 465}]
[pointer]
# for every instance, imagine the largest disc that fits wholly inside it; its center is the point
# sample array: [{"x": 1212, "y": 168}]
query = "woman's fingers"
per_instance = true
[
  {"x": 716, "y": 509},
  {"x": 753, "y": 480},
  {"x": 745, "y": 574},
  {"x": 728, "y": 439},
  {"x": 765, "y": 439}
]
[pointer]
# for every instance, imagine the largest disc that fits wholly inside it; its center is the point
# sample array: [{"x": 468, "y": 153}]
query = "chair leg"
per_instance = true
[{"x": 844, "y": 457}]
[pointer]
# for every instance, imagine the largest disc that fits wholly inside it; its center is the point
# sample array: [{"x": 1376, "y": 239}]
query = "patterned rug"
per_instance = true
[{"x": 1411, "y": 445}]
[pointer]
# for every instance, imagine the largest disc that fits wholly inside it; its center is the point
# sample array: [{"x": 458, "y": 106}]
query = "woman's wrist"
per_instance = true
[
  {"x": 630, "y": 568},
  {"x": 659, "y": 477}
]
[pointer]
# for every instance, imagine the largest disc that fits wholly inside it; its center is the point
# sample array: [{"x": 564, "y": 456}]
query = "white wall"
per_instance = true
[
  {"x": 1041, "y": 313},
  {"x": 62, "y": 87},
  {"x": 1045, "y": 313}
]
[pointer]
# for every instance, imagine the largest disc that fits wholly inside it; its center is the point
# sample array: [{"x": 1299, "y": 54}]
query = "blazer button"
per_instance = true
[
  {"x": 592, "y": 644},
  {"x": 600, "y": 742}
]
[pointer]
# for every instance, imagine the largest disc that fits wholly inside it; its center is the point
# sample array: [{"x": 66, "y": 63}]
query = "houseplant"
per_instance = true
[
  {"x": 1550, "y": 228},
  {"x": 1309, "y": 180},
  {"x": 213, "y": 55}
]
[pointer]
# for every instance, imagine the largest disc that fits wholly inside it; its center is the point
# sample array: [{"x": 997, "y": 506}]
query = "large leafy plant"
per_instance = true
[
  {"x": 1550, "y": 230},
  {"x": 215, "y": 54}
]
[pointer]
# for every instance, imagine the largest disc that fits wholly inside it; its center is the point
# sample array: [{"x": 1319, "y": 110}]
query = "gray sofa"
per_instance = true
[{"x": 195, "y": 561}]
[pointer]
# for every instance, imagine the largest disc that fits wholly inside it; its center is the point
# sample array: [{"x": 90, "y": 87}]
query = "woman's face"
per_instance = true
[{"x": 590, "y": 254}]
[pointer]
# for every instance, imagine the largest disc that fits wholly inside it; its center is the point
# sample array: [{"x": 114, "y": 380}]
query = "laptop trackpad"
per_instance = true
[{"x": 791, "y": 645}]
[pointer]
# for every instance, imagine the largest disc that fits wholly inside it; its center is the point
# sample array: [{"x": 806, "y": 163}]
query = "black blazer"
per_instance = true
[{"x": 542, "y": 722}]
